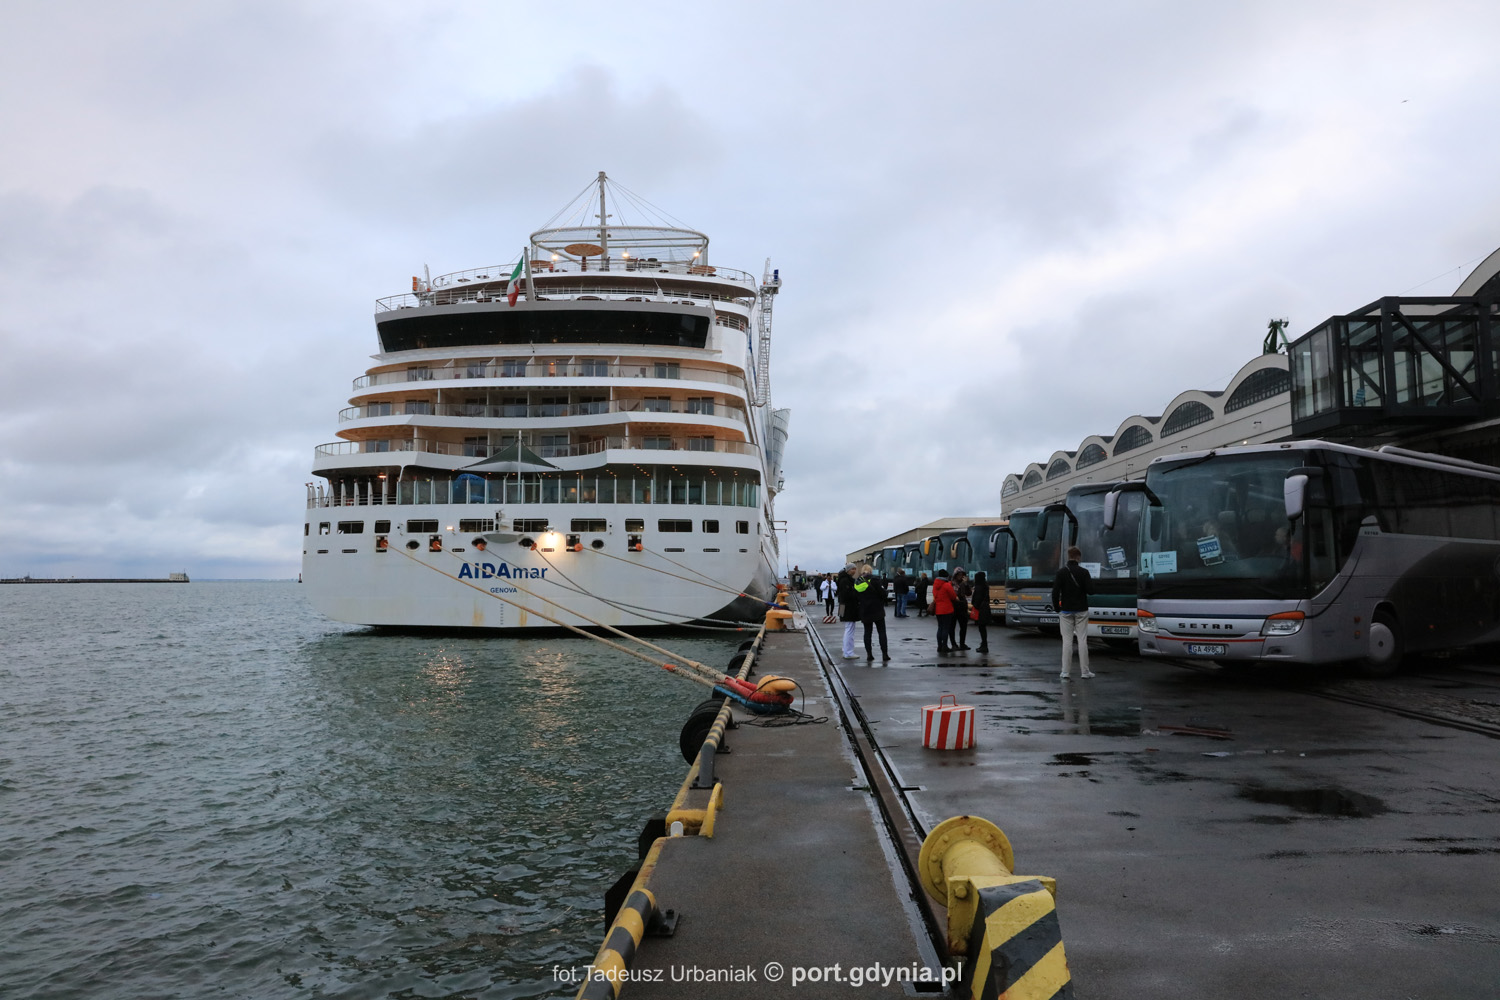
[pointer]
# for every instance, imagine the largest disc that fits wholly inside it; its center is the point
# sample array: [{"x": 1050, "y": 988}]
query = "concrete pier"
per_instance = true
[{"x": 1210, "y": 835}]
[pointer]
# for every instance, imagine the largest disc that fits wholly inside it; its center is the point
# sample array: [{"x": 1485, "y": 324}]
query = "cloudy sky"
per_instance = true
[{"x": 1001, "y": 226}]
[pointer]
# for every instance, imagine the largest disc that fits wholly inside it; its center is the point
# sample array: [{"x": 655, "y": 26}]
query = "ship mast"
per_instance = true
[{"x": 603, "y": 224}]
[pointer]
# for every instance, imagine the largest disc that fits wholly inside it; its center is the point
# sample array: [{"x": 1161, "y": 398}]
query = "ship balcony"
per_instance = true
[
  {"x": 592, "y": 413},
  {"x": 649, "y": 447},
  {"x": 526, "y": 372}
]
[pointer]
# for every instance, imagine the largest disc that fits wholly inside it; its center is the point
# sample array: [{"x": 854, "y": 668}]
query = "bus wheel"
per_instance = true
[{"x": 1384, "y": 657}]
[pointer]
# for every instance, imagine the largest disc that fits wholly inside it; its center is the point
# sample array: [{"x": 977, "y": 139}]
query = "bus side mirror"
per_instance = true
[
  {"x": 1294, "y": 492},
  {"x": 1111, "y": 508}
]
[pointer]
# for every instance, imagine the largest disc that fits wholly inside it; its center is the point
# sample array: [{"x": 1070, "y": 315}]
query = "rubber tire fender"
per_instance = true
[{"x": 695, "y": 729}]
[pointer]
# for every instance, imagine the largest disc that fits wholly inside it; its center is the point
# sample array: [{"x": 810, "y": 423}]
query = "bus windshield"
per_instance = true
[
  {"x": 993, "y": 566},
  {"x": 1222, "y": 529},
  {"x": 1035, "y": 561},
  {"x": 1109, "y": 556}
]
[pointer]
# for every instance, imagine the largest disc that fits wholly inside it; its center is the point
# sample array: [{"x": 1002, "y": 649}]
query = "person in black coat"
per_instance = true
[
  {"x": 961, "y": 590},
  {"x": 981, "y": 604},
  {"x": 848, "y": 607},
  {"x": 1070, "y": 596},
  {"x": 872, "y": 610}
]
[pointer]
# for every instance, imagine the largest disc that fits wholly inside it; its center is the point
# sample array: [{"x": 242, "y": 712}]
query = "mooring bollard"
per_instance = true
[{"x": 1002, "y": 926}]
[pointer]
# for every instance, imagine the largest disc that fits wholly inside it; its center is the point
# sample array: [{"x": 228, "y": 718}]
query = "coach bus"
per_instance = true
[
  {"x": 989, "y": 551},
  {"x": 1110, "y": 555},
  {"x": 1038, "y": 537},
  {"x": 1309, "y": 552}
]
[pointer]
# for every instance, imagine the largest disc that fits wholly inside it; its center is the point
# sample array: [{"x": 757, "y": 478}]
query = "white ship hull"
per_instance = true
[{"x": 510, "y": 586}]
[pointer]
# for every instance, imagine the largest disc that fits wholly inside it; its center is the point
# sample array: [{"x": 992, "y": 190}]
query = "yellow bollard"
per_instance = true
[{"x": 1003, "y": 926}]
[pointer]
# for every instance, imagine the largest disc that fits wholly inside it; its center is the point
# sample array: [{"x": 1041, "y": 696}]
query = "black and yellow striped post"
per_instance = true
[
  {"x": 612, "y": 965},
  {"x": 1003, "y": 926}
]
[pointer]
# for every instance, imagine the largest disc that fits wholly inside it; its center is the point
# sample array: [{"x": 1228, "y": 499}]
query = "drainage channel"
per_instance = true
[{"x": 903, "y": 832}]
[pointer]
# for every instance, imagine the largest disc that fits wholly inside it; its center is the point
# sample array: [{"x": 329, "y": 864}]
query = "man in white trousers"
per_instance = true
[{"x": 1070, "y": 596}]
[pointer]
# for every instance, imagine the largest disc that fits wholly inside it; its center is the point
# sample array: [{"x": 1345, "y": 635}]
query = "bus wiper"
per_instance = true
[{"x": 1189, "y": 464}]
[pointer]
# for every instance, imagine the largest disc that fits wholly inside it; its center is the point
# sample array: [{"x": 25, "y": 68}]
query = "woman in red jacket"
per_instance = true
[{"x": 943, "y": 606}]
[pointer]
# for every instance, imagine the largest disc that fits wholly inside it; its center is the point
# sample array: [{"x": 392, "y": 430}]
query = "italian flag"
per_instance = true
[{"x": 513, "y": 290}]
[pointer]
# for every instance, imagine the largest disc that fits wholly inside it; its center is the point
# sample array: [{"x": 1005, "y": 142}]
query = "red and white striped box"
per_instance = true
[{"x": 947, "y": 727}]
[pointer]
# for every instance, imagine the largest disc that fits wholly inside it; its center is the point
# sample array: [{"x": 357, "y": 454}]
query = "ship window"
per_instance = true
[
  {"x": 657, "y": 404},
  {"x": 635, "y": 524},
  {"x": 671, "y": 370},
  {"x": 589, "y": 524},
  {"x": 742, "y": 527},
  {"x": 382, "y": 527},
  {"x": 476, "y": 447},
  {"x": 324, "y": 528},
  {"x": 474, "y": 369},
  {"x": 381, "y": 445},
  {"x": 596, "y": 367},
  {"x": 421, "y": 527},
  {"x": 421, "y": 407},
  {"x": 512, "y": 369},
  {"x": 536, "y": 524},
  {"x": 705, "y": 443},
  {"x": 378, "y": 410},
  {"x": 700, "y": 404},
  {"x": 422, "y": 374},
  {"x": 469, "y": 524},
  {"x": 656, "y": 442},
  {"x": 711, "y": 527},
  {"x": 666, "y": 525},
  {"x": 351, "y": 527},
  {"x": 306, "y": 529}
]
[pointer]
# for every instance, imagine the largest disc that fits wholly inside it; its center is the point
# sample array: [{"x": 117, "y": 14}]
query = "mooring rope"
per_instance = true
[
  {"x": 664, "y": 664},
  {"x": 694, "y": 664},
  {"x": 705, "y": 581},
  {"x": 728, "y": 624}
]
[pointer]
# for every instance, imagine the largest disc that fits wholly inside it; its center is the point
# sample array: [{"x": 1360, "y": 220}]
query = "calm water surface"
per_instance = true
[{"x": 210, "y": 789}]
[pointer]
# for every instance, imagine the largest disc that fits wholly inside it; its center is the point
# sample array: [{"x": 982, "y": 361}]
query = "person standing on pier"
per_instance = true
[
  {"x": 1070, "y": 596},
  {"x": 848, "y": 607},
  {"x": 902, "y": 590},
  {"x": 942, "y": 608},
  {"x": 826, "y": 590},
  {"x": 980, "y": 602},
  {"x": 961, "y": 607},
  {"x": 872, "y": 610}
]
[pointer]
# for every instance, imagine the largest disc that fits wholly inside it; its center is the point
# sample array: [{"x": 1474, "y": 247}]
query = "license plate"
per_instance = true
[
  {"x": 1047, "y": 620},
  {"x": 1114, "y": 630},
  {"x": 1207, "y": 649}
]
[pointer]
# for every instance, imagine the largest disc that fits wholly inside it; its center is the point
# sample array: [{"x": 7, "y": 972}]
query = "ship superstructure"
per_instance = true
[{"x": 585, "y": 432}]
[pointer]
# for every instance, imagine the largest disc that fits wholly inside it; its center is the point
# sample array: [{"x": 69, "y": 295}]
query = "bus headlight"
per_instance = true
[
  {"x": 1285, "y": 623},
  {"x": 1146, "y": 621}
]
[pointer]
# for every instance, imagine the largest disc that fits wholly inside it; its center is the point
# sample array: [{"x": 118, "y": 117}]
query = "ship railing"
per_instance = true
[
  {"x": 500, "y": 273},
  {"x": 535, "y": 488},
  {"x": 482, "y": 296},
  {"x": 478, "y": 450},
  {"x": 533, "y": 410},
  {"x": 506, "y": 368}
]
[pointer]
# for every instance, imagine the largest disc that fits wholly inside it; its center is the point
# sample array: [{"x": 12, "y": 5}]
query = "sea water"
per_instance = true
[{"x": 209, "y": 789}]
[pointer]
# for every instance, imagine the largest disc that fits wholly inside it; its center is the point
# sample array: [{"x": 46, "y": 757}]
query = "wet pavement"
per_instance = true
[{"x": 1214, "y": 835}]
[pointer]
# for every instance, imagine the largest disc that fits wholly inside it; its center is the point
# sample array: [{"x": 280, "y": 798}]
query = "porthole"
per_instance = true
[
  {"x": 527, "y": 543},
  {"x": 414, "y": 545},
  {"x": 597, "y": 543}
]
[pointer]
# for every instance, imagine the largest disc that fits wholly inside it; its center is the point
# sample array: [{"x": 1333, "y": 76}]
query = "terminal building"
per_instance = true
[
  {"x": 1422, "y": 373},
  {"x": 1417, "y": 372}
]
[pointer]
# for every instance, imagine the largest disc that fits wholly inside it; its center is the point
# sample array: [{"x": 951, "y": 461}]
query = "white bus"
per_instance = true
[{"x": 1309, "y": 552}]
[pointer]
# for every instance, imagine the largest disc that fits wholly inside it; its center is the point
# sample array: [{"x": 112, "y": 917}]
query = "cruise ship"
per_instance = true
[{"x": 582, "y": 436}]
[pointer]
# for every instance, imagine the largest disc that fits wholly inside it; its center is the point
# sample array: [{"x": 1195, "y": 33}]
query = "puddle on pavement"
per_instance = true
[
  {"x": 1315, "y": 801},
  {"x": 1071, "y": 760}
]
